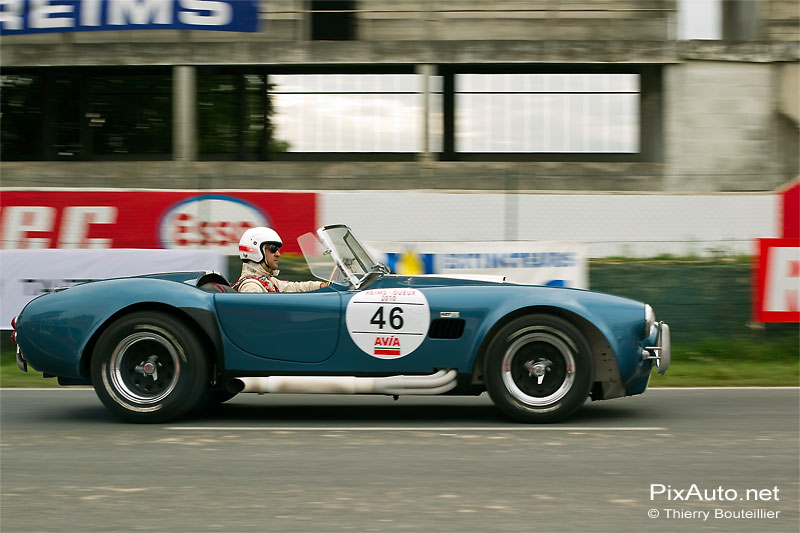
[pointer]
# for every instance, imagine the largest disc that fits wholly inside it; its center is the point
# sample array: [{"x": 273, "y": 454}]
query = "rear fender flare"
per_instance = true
[{"x": 203, "y": 323}]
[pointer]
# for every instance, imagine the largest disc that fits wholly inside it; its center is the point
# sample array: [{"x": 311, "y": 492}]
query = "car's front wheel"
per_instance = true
[
  {"x": 538, "y": 369},
  {"x": 149, "y": 367}
]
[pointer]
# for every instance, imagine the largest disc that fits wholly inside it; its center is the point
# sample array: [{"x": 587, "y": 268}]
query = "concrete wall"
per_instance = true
[
  {"x": 321, "y": 176},
  {"x": 781, "y": 20},
  {"x": 721, "y": 126},
  {"x": 381, "y": 20},
  {"x": 644, "y": 20}
]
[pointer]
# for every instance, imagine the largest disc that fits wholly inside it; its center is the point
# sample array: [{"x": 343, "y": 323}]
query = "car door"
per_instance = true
[{"x": 299, "y": 327}]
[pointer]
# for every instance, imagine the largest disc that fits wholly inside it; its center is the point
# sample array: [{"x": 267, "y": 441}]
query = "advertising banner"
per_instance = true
[
  {"x": 51, "y": 16},
  {"x": 777, "y": 283},
  {"x": 178, "y": 220},
  {"x": 26, "y": 274},
  {"x": 556, "y": 264},
  {"x": 790, "y": 211}
]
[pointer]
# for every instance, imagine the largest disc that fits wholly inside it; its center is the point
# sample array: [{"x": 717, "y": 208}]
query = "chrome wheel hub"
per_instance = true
[
  {"x": 149, "y": 368},
  {"x": 144, "y": 368},
  {"x": 538, "y": 368}
]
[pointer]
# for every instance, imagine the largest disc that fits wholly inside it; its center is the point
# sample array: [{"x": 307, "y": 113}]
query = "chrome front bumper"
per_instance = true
[
  {"x": 22, "y": 364},
  {"x": 660, "y": 350}
]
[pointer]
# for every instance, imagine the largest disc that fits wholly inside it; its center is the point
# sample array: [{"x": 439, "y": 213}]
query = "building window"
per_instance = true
[
  {"x": 235, "y": 115},
  {"x": 252, "y": 114},
  {"x": 333, "y": 20},
  {"x": 21, "y": 112},
  {"x": 547, "y": 113},
  {"x": 92, "y": 114},
  {"x": 699, "y": 19},
  {"x": 338, "y": 113},
  {"x": 129, "y": 115},
  {"x": 363, "y": 113}
]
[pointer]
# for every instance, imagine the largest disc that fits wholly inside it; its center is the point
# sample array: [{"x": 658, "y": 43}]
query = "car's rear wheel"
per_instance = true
[
  {"x": 538, "y": 369},
  {"x": 149, "y": 367}
]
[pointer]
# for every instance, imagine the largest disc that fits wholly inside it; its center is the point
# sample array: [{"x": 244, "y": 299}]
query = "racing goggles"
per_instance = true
[{"x": 273, "y": 247}]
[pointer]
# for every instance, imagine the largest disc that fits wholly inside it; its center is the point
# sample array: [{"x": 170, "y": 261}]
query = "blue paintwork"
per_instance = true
[
  {"x": 54, "y": 329},
  {"x": 294, "y": 327},
  {"x": 306, "y": 332}
]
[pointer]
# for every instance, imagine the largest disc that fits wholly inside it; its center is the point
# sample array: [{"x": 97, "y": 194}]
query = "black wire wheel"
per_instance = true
[
  {"x": 538, "y": 369},
  {"x": 149, "y": 367}
]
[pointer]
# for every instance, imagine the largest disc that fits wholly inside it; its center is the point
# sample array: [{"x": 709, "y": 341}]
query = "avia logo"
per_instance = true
[{"x": 387, "y": 346}]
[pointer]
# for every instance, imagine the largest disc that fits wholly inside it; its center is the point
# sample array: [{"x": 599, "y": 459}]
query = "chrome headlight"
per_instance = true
[{"x": 649, "y": 320}]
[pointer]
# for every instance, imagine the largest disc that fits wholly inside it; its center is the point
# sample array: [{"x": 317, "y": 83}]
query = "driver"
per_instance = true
[{"x": 260, "y": 250}]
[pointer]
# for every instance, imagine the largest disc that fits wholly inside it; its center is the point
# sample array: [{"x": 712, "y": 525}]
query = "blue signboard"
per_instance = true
[{"x": 51, "y": 16}]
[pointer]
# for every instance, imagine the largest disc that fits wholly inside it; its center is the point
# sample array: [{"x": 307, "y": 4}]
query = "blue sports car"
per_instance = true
[{"x": 157, "y": 346}]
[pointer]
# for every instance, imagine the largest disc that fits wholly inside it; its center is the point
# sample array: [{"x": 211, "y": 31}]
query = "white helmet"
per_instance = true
[{"x": 253, "y": 239}]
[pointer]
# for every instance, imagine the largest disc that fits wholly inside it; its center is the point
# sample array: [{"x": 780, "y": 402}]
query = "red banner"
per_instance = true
[
  {"x": 150, "y": 219},
  {"x": 777, "y": 283},
  {"x": 790, "y": 222}
]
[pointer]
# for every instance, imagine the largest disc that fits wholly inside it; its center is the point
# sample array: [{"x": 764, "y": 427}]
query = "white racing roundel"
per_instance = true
[{"x": 388, "y": 323}]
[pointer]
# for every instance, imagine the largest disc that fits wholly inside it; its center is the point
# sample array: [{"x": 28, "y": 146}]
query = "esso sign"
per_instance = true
[
  {"x": 145, "y": 219},
  {"x": 209, "y": 222}
]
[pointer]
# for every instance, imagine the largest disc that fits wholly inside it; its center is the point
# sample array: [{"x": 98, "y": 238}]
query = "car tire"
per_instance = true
[
  {"x": 538, "y": 368},
  {"x": 149, "y": 367}
]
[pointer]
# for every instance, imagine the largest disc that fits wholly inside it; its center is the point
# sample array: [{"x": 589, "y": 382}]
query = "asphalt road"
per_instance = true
[{"x": 336, "y": 463}]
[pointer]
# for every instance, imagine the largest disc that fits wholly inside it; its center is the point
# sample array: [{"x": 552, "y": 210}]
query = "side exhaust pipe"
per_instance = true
[{"x": 437, "y": 383}]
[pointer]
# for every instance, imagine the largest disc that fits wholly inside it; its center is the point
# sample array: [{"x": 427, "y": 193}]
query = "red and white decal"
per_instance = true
[
  {"x": 777, "y": 283},
  {"x": 387, "y": 346},
  {"x": 186, "y": 220},
  {"x": 388, "y": 323}
]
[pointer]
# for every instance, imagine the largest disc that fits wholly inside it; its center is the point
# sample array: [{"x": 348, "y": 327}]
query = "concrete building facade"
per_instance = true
[{"x": 710, "y": 116}]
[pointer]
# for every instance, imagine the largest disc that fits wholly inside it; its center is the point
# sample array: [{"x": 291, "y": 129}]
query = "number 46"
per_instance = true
[{"x": 395, "y": 318}]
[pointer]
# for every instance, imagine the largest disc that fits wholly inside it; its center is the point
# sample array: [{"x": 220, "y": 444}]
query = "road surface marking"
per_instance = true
[{"x": 415, "y": 428}]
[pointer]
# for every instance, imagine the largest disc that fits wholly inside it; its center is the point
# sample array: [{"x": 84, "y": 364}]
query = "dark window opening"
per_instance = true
[
  {"x": 82, "y": 115},
  {"x": 235, "y": 114},
  {"x": 333, "y": 20},
  {"x": 21, "y": 111}
]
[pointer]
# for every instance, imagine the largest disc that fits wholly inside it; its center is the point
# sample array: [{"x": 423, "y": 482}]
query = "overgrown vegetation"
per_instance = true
[{"x": 734, "y": 363}]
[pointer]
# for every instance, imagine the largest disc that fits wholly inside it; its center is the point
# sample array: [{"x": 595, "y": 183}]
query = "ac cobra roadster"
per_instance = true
[{"x": 155, "y": 347}]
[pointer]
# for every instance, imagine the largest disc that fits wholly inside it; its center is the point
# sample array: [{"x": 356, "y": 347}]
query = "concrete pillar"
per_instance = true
[
  {"x": 426, "y": 72},
  {"x": 184, "y": 113}
]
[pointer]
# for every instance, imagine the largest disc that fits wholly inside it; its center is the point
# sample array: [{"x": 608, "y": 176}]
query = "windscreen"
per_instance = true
[
  {"x": 319, "y": 259},
  {"x": 351, "y": 257}
]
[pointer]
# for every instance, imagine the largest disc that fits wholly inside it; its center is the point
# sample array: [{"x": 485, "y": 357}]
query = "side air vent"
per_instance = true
[{"x": 446, "y": 328}]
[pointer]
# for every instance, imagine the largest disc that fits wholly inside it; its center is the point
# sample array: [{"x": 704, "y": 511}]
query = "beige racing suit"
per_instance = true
[{"x": 255, "y": 278}]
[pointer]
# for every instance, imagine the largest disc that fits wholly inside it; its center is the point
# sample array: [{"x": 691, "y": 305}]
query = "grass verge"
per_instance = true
[{"x": 735, "y": 362}]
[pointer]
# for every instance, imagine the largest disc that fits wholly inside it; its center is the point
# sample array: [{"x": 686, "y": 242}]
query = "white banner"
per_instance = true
[
  {"x": 25, "y": 274},
  {"x": 557, "y": 264},
  {"x": 609, "y": 225}
]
